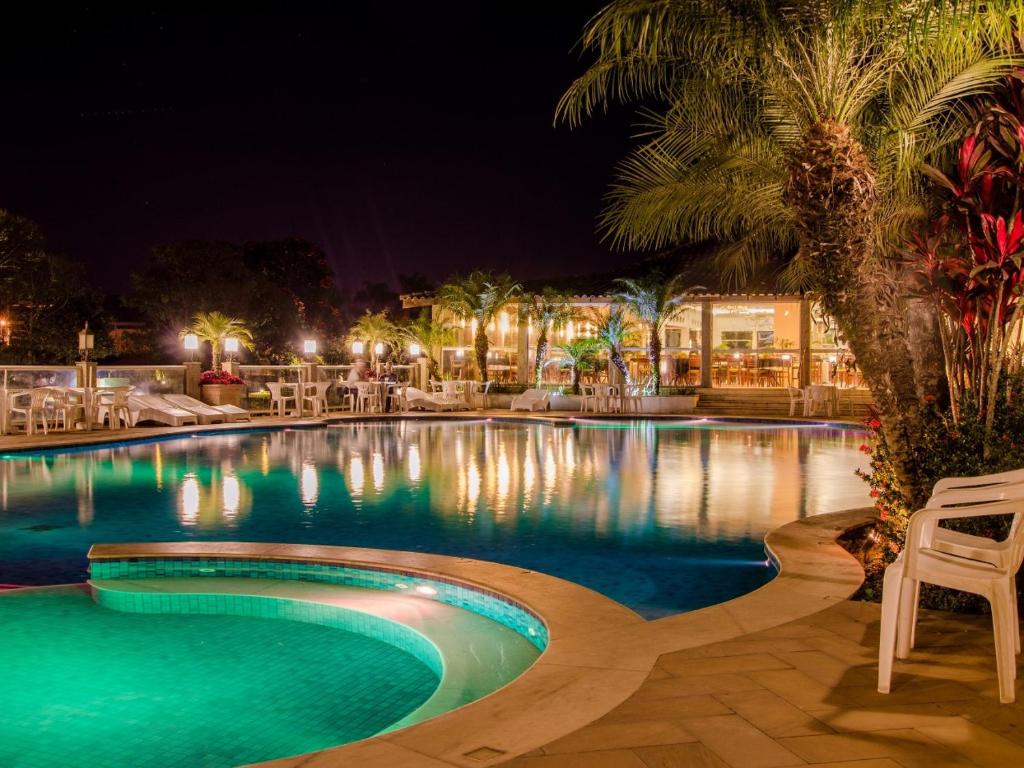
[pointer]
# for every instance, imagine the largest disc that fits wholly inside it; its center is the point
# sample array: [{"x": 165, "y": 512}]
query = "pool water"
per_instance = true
[
  {"x": 128, "y": 689},
  {"x": 661, "y": 516}
]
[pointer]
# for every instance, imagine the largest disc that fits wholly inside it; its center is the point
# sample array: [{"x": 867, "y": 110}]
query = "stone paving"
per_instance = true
[{"x": 804, "y": 694}]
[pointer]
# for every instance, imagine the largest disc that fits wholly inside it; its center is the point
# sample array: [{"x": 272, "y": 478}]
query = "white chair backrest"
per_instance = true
[
  {"x": 275, "y": 389},
  {"x": 40, "y": 395},
  {"x": 435, "y": 385},
  {"x": 588, "y": 390}
]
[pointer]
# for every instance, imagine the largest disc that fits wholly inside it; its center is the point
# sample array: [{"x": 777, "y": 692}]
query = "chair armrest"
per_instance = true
[
  {"x": 978, "y": 481},
  {"x": 923, "y": 522}
]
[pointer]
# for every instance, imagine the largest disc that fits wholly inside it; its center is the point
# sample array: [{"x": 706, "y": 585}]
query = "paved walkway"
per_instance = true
[{"x": 804, "y": 694}]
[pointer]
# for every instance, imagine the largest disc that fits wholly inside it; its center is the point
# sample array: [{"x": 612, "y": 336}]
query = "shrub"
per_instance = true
[{"x": 219, "y": 377}]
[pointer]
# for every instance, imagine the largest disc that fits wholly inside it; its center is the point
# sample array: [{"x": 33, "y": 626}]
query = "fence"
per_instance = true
[
  {"x": 28, "y": 376},
  {"x": 145, "y": 379},
  {"x": 256, "y": 376}
]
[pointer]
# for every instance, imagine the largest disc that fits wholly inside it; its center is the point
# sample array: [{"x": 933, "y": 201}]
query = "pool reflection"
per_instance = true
[{"x": 663, "y": 517}]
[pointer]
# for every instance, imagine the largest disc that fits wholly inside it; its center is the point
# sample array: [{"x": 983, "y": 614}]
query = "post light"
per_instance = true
[
  {"x": 787, "y": 358},
  {"x": 414, "y": 349},
  {"x": 378, "y": 348},
  {"x": 357, "y": 347},
  {"x": 309, "y": 346},
  {"x": 5, "y": 331},
  {"x": 735, "y": 355},
  {"x": 504, "y": 322},
  {"x": 460, "y": 352},
  {"x": 231, "y": 345},
  {"x": 86, "y": 341},
  {"x": 191, "y": 343}
]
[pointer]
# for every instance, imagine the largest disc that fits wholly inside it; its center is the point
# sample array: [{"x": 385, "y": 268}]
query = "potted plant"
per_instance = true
[{"x": 221, "y": 388}]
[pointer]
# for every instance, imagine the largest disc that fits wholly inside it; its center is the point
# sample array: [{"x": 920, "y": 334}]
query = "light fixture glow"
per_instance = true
[
  {"x": 190, "y": 341},
  {"x": 357, "y": 347},
  {"x": 378, "y": 348},
  {"x": 230, "y": 345},
  {"x": 414, "y": 349},
  {"x": 309, "y": 346},
  {"x": 423, "y": 589}
]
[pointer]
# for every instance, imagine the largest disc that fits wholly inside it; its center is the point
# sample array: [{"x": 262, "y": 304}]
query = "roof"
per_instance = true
[{"x": 699, "y": 270}]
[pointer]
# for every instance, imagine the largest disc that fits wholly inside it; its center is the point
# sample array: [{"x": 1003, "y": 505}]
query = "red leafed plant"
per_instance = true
[
  {"x": 219, "y": 377},
  {"x": 969, "y": 261}
]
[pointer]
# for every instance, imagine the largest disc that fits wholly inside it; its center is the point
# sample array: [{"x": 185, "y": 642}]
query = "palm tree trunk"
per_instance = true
[
  {"x": 542, "y": 353},
  {"x": 215, "y": 355},
  {"x": 480, "y": 347},
  {"x": 575, "y": 379},
  {"x": 832, "y": 187},
  {"x": 619, "y": 362},
  {"x": 654, "y": 357}
]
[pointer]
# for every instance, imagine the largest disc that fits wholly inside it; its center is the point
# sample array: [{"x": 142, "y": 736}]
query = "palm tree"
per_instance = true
[
  {"x": 799, "y": 128},
  {"x": 479, "y": 296},
  {"x": 548, "y": 309},
  {"x": 655, "y": 301},
  {"x": 215, "y": 327},
  {"x": 429, "y": 333},
  {"x": 614, "y": 329},
  {"x": 374, "y": 328},
  {"x": 579, "y": 355}
]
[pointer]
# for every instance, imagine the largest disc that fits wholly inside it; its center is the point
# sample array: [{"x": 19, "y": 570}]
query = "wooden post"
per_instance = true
[
  {"x": 805, "y": 343},
  {"x": 85, "y": 374},
  {"x": 707, "y": 338},
  {"x": 192, "y": 379}
]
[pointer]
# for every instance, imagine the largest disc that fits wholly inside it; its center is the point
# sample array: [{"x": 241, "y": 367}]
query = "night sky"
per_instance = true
[{"x": 399, "y": 137}]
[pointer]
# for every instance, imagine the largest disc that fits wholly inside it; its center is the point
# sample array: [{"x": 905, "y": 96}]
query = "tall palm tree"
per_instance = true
[
  {"x": 215, "y": 327},
  {"x": 549, "y": 310},
  {"x": 655, "y": 301},
  {"x": 430, "y": 334},
  {"x": 374, "y": 328},
  {"x": 799, "y": 128},
  {"x": 580, "y": 356},
  {"x": 614, "y": 330},
  {"x": 478, "y": 296}
]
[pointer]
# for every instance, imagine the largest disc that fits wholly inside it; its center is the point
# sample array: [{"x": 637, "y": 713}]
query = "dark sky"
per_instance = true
[{"x": 399, "y": 137}]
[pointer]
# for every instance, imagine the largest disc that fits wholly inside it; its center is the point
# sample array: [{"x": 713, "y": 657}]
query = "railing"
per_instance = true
[
  {"x": 28, "y": 376},
  {"x": 146, "y": 379},
  {"x": 256, "y": 376}
]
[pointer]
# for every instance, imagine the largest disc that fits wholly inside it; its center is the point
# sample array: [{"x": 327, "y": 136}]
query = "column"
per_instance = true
[
  {"x": 85, "y": 374},
  {"x": 805, "y": 342},
  {"x": 707, "y": 340},
  {"x": 192, "y": 369},
  {"x": 523, "y": 352}
]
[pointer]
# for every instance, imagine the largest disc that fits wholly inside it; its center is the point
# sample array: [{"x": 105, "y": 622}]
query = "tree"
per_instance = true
[
  {"x": 479, "y": 297},
  {"x": 799, "y": 128},
  {"x": 374, "y": 328},
  {"x": 548, "y": 309},
  {"x": 655, "y": 301},
  {"x": 580, "y": 356},
  {"x": 614, "y": 330},
  {"x": 214, "y": 328},
  {"x": 430, "y": 334}
]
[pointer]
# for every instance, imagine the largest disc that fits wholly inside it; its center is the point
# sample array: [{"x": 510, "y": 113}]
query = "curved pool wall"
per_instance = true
[{"x": 462, "y": 656}]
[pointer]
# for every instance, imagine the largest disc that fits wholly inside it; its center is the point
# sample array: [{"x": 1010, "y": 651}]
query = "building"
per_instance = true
[{"x": 757, "y": 336}]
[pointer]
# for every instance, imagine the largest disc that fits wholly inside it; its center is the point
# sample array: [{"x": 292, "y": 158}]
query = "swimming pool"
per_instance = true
[{"x": 661, "y": 516}]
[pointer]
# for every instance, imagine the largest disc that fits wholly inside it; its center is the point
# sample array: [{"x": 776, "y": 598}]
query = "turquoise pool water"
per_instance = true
[
  {"x": 663, "y": 517},
  {"x": 84, "y": 685}
]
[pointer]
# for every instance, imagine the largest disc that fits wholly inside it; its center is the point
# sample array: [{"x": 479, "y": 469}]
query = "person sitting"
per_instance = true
[{"x": 357, "y": 372}]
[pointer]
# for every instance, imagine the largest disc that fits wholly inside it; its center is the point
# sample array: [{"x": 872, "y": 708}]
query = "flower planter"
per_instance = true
[{"x": 223, "y": 394}]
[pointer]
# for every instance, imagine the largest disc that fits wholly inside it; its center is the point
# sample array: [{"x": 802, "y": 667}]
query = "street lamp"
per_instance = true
[
  {"x": 414, "y": 349},
  {"x": 191, "y": 343},
  {"x": 357, "y": 347},
  {"x": 378, "y": 348},
  {"x": 309, "y": 346},
  {"x": 230, "y": 348},
  {"x": 86, "y": 341}
]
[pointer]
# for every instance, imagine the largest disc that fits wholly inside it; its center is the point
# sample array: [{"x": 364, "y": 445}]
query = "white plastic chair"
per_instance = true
[
  {"x": 279, "y": 399},
  {"x": 925, "y": 559},
  {"x": 113, "y": 406},
  {"x": 315, "y": 393},
  {"x": 34, "y": 410},
  {"x": 588, "y": 398},
  {"x": 632, "y": 401},
  {"x": 821, "y": 396},
  {"x": 368, "y": 396},
  {"x": 796, "y": 397}
]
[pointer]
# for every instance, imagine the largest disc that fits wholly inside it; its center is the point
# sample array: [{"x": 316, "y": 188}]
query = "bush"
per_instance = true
[
  {"x": 219, "y": 377},
  {"x": 947, "y": 449}
]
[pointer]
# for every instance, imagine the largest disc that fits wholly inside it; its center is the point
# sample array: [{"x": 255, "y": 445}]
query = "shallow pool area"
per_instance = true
[
  {"x": 660, "y": 516},
  {"x": 201, "y": 689}
]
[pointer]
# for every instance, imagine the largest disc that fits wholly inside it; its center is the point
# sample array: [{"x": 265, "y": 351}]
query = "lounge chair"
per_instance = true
[
  {"x": 417, "y": 399},
  {"x": 154, "y": 408},
  {"x": 230, "y": 412},
  {"x": 532, "y": 400},
  {"x": 203, "y": 412}
]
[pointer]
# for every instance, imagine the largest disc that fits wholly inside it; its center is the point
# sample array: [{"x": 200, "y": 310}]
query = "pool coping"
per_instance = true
[
  {"x": 599, "y": 652},
  {"x": 12, "y": 445}
]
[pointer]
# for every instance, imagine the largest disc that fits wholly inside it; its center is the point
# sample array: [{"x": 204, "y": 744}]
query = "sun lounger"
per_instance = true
[
  {"x": 532, "y": 400},
  {"x": 230, "y": 412},
  {"x": 203, "y": 412},
  {"x": 417, "y": 399},
  {"x": 154, "y": 408}
]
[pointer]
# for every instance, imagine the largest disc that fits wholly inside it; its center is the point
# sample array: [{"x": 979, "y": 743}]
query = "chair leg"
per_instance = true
[
  {"x": 891, "y": 583},
  {"x": 913, "y": 615},
  {"x": 1006, "y": 660},
  {"x": 907, "y": 613},
  {"x": 1014, "y": 615}
]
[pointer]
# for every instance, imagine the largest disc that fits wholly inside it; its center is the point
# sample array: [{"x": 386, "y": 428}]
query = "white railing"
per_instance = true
[
  {"x": 145, "y": 379},
  {"x": 256, "y": 376},
  {"x": 28, "y": 376}
]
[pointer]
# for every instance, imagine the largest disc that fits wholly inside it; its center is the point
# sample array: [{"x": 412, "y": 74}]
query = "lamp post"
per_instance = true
[
  {"x": 414, "y": 350},
  {"x": 230, "y": 348},
  {"x": 86, "y": 342},
  {"x": 357, "y": 348},
  {"x": 309, "y": 347}
]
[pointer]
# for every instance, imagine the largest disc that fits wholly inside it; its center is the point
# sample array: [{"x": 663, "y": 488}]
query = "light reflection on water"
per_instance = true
[{"x": 661, "y": 517}]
